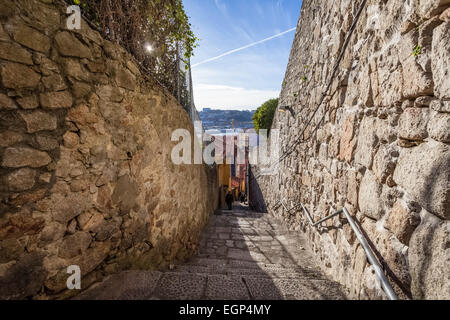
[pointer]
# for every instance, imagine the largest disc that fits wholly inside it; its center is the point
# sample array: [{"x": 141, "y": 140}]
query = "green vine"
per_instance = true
[
  {"x": 174, "y": 21},
  {"x": 155, "y": 32}
]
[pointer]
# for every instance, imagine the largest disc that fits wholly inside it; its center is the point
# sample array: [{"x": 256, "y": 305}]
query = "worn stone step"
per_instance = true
[
  {"x": 261, "y": 288},
  {"x": 143, "y": 285},
  {"x": 207, "y": 262},
  {"x": 241, "y": 256},
  {"x": 127, "y": 285},
  {"x": 277, "y": 273},
  {"x": 249, "y": 264},
  {"x": 230, "y": 264},
  {"x": 269, "y": 272}
]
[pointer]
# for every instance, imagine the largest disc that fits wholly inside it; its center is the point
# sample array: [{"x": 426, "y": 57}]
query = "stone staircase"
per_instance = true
[{"x": 243, "y": 256}]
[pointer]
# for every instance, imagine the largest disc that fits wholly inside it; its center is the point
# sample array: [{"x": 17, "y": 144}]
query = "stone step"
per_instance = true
[
  {"x": 243, "y": 263},
  {"x": 277, "y": 273},
  {"x": 144, "y": 285},
  {"x": 267, "y": 272},
  {"x": 212, "y": 262},
  {"x": 206, "y": 262},
  {"x": 249, "y": 264},
  {"x": 261, "y": 288},
  {"x": 241, "y": 256}
]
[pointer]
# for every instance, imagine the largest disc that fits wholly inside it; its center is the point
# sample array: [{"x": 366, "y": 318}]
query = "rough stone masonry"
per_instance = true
[
  {"x": 382, "y": 149},
  {"x": 85, "y": 172}
]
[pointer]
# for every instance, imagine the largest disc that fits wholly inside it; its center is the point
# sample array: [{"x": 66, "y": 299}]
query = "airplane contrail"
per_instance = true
[{"x": 244, "y": 47}]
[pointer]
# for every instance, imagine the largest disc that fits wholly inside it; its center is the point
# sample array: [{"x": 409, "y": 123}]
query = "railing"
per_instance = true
[{"x": 361, "y": 238}]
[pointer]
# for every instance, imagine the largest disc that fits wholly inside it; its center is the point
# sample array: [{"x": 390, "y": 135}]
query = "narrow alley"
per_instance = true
[
  {"x": 130, "y": 129},
  {"x": 243, "y": 255}
]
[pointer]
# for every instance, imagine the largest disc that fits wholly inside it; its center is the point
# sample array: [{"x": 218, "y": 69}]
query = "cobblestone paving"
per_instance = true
[{"x": 243, "y": 255}]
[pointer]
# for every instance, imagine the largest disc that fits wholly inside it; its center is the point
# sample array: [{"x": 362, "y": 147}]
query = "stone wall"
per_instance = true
[
  {"x": 85, "y": 169},
  {"x": 255, "y": 195},
  {"x": 382, "y": 149}
]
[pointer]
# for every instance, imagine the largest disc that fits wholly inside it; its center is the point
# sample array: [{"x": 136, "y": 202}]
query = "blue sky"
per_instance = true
[{"x": 247, "y": 78}]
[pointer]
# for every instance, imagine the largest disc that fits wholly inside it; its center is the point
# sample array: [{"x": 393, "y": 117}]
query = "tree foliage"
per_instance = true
[
  {"x": 136, "y": 24},
  {"x": 263, "y": 117}
]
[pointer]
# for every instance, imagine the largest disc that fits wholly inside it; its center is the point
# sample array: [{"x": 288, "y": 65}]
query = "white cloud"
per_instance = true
[{"x": 222, "y": 96}]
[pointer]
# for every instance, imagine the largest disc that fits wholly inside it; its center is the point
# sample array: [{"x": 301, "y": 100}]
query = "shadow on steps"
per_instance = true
[{"x": 243, "y": 256}]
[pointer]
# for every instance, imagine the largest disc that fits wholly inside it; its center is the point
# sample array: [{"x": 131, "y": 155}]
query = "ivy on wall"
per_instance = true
[{"x": 156, "y": 32}]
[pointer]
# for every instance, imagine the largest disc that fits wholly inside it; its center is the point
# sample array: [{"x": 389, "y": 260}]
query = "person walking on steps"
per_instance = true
[{"x": 229, "y": 200}]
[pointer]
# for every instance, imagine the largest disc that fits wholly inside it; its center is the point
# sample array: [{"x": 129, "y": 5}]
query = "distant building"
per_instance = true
[
  {"x": 223, "y": 119},
  {"x": 232, "y": 177}
]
